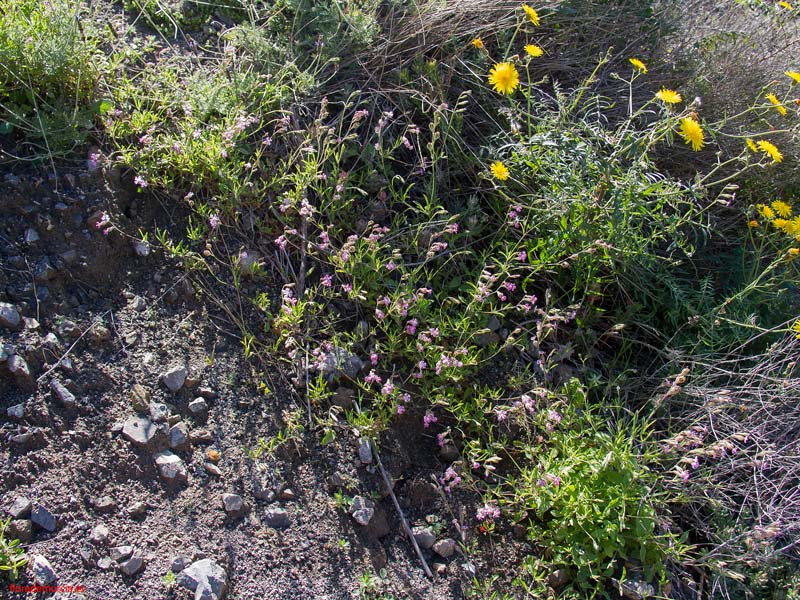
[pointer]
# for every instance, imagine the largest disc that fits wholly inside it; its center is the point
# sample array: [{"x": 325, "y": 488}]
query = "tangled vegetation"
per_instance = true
[{"x": 562, "y": 265}]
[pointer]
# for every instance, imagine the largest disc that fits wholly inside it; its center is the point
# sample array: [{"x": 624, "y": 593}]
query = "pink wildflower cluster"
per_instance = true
[
  {"x": 514, "y": 216},
  {"x": 358, "y": 116},
  {"x": 387, "y": 389},
  {"x": 324, "y": 241},
  {"x": 214, "y": 221},
  {"x": 450, "y": 360},
  {"x": 484, "y": 287},
  {"x": 411, "y": 327},
  {"x": 140, "y": 181},
  {"x": 422, "y": 365},
  {"x": 406, "y": 398},
  {"x": 288, "y": 300},
  {"x": 348, "y": 248},
  {"x": 488, "y": 513},
  {"x": 549, "y": 479},
  {"x": 450, "y": 479},
  {"x": 282, "y": 240},
  {"x": 428, "y": 419},
  {"x": 553, "y": 420},
  {"x": 102, "y": 222},
  {"x": 376, "y": 235},
  {"x": 527, "y": 303},
  {"x": 242, "y": 123},
  {"x": 326, "y": 280},
  {"x": 372, "y": 377}
]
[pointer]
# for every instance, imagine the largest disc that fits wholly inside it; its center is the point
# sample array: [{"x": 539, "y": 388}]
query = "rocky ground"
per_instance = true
[{"x": 128, "y": 417}]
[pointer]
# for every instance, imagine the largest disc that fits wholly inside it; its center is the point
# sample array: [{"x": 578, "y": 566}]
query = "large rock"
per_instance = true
[
  {"x": 20, "y": 508},
  {"x": 277, "y": 518},
  {"x": 132, "y": 566},
  {"x": 144, "y": 433},
  {"x": 340, "y": 362},
  {"x": 66, "y": 397},
  {"x": 43, "y": 572},
  {"x": 205, "y": 578},
  {"x": 445, "y": 548},
  {"x": 171, "y": 467},
  {"x": 174, "y": 378},
  {"x": 43, "y": 518},
  {"x": 140, "y": 398},
  {"x": 9, "y": 317},
  {"x": 363, "y": 510},
  {"x": 21, "y": 371},
  {"x": 424, "y": 536}
]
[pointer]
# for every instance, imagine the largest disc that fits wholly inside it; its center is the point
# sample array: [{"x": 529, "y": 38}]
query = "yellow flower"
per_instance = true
[
  {"x": 639, "y": 65},
  {"x": 794, "y": 75},
  {"x": 692, "y": 133},
  {"x": 770, "y": 150},
  {"x": 796, "y": 328},
  {"x": 792, "y": 227},
  {"x": 786, "y": 5},
  {"x": 765, "y": 211},
  {"x": 792, "y": 253},
  {"x": 499, "y": 170},
  {"x": 532, "y": 14},
  {"x": 780, "y": 224},
  {"x": 534, "y": 50},
  {"x": 752, "y": 145},
  {"x": 504, "y": 78},
  {"x": 669, "y": 96},
  {"x": 753, "y": 224},
  {"x": 478, "y": 43},
  {"x": 772, "y": 98},
  {"x": 782, "y": 209}
]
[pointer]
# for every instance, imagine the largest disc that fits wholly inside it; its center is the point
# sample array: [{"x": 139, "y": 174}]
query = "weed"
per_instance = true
[{"x": 12, "y": 556}]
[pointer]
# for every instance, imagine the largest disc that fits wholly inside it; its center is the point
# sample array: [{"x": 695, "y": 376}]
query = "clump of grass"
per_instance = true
[{"x": 49, "y": 70}]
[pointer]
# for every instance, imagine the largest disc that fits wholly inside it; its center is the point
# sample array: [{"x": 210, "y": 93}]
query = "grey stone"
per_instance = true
[
  {"x": 171, "y": 467},
  {"x": 174, "y": 378},
  {"x": 233, "y": 503},
  {"x": 178, "y": 435},
  {"x": 68, "y": 329},
  {"x": 449, "y": 453},
  {"x": 141, "y": 248},
  {"x": 105, "y": 504},
  {"x": 17, "y": 411},
  {"x": 138, "y": 304},
  {"x": 200, "y": 436},
  {"x": 635, "y": 589},
  {"x": 140, "y": 398},
  {"x": 159, "y": 412},
  {"x": 21, "y": 529},
  {"x": 364, "y": 452},
  {"x": 179, "y": 563},
  {"x": 44, "y": 271},
  {"x": 99, "y": 333},
  {"x": 140, "y": 430},
  {"x": 363, "y": 510},
  {"x": 99, "y": 534},
  {"x": 445, "y": 548},
  {"x": 43, "y": 518},
  {"x": 20, "y": 369},
  {"x": 9, "y": 317},
  {"x": 51, "y": 341},
  {"x": 66, "y": 397},
  {"x": 136, "y": 509},
  {"x": 43, "y": 572},
  {"x": 205, "y": 578},
  {"x": 31, "y": 236},
  {"x": 558, "y": 578},
  {"x": 343, "y": 397},
  {"x": 493, "y": 324},
  {"x": 198, "y": 406},
  {"x": 277, "y": 518},
  {"x": 212, "y": 469},
  {"x": 262, "y": 489},
  {"x": 69, "y": 257},
  {"x": 21, "y": 438},
  {"x": 486, "y": 339},
  {"x": 105, "y": 563},
  {"x": 424, "y": 536},
  {"x": 20, "y": 508},
  {"x": 132, "y": 566},
  {"x": 288, "y": 494},
  {"x": 207, "y": 393},
  {"x": 340, "y": 362},
  {"x": 6, "y": 351},
  {"x": 120, "y": 553}
]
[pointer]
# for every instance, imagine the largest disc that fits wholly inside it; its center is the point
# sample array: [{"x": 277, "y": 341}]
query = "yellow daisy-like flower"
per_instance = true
[
  {"x": 794, "y": 75},
  {"x": 499, "y": 170},
  {"x": 792, "y": 227},
  {"x": 504, "y": 78},
  {"x": 692, "y": 133},
  {"x": 786, "y": 5},
  {"x": 782, "y": 209},
  {"x": 765, "y": 211},
  {"x": 639, "y": 65},
  {"x": 534, "y": 50},
  {"x": 478, "y": 43},
  {"x": 796, "y": 328},
  {"x": 753, "y": 224},
  {"x": 752, "y": 145},
  {"x": 770, "y": 150},
  {"x": 532, "y": 14},
  {"x": 669, "y": 96},
  {"x": 777, "y": 103},
  {"x": 780, "y": 224}
]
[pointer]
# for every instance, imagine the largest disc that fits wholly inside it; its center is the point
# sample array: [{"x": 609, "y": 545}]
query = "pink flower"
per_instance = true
[
  {"x": 411, "y": 327},
  {"x": 487, "y": 513},
  {"x": 522, "y": 256},
  {"x": 684, "y": 475},
  {"x": 373, "y": 358},
  {"x": 347, "y": 287},
  {"x": 214, "y": 221},
  {"x": 476, "y": 465},
  {"x": 379, "y": 314},
  {"x": 387, "y": 388},
  {"x": 428, "y": 419},
  {"x": 326, "y": 280},
  {"x": 390, "y": 266},
  {"x": 406, "y": 397},
  {"x": 140, "y": 181},
  {"x": 400, "y": 409},
  {"x": 372, "y": 378},
  {"x": 440, "y": 440}
]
